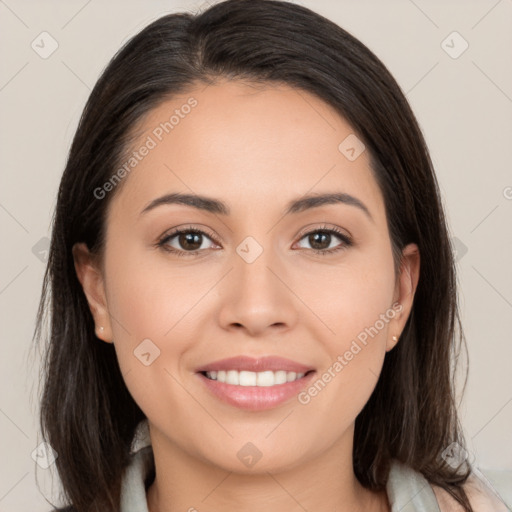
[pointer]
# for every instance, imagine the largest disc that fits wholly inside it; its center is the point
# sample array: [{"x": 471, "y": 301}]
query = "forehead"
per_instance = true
[{"x": 248, "y": 144}]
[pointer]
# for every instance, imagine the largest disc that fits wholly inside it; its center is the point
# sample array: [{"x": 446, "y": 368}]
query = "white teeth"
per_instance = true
[
  {"x": 280, "y": 377},
  {"x": 261, "y": 379},
  {"x": 247, "y": 378},
  {"x": 232, "y": 377},
  {"x": 265, "y": 379}
]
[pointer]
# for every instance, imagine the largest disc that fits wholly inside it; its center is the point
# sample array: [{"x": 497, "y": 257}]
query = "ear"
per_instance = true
[
  {"x": 90, "y": 277},
  {"x": 407, "y": 282}
]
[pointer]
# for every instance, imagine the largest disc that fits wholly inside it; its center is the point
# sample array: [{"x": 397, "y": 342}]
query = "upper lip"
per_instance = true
[{"x": 251, "y": 364}]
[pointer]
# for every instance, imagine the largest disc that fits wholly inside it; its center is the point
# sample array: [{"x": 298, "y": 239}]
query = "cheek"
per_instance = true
[
  {"x": 355, "y": 301},
  {"x": 153, "y": 322},
  {"x": 354, "y": 358},
  {"x": 149, "y": 297},
  {"x": 155, "y": 307},
  {"x": 355, "y": 296}
]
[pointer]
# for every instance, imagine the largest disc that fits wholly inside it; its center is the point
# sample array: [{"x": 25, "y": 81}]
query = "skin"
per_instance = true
[{"x": 256, "y": 148}]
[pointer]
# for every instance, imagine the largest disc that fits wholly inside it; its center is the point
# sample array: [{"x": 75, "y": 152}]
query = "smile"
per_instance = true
[{"x": 260, "y": 379}]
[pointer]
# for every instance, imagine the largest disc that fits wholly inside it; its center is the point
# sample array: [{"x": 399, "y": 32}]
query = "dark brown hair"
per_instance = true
[{"x": 87, "y": 414}]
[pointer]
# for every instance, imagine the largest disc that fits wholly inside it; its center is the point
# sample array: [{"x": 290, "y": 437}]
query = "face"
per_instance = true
[{"x": 291, "y": 289}]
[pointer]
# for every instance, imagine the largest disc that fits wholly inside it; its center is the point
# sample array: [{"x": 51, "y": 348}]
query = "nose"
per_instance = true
[{"x": 258, "y": 297}]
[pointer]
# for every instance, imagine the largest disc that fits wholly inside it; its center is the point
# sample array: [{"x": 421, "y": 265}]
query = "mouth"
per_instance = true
[{"x": 255, "y": 384}]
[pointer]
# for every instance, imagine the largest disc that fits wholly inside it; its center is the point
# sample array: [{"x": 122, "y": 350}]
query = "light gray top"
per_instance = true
[{"x": 407, "y": 490}]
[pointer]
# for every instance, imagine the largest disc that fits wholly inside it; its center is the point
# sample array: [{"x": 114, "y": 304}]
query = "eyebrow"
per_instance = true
[{"x": 216, "y": 206}]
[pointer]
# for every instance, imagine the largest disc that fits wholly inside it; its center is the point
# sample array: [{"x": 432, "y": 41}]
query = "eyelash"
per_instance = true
[{"x": 162, "y": 243}]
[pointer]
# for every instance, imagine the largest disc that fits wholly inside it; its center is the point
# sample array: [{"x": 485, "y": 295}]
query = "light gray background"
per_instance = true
[{"x": 464, "y": 106}]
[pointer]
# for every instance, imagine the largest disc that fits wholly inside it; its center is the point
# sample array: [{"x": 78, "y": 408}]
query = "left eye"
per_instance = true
[{"x": 320, "y": 240}]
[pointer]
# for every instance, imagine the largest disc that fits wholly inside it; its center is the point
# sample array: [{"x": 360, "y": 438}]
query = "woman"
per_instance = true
[{"x": 250, "y": 268}]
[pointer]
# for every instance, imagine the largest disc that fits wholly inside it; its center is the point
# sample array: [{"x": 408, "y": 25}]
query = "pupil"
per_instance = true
[
  {"x": 190, "y": 241},
  {"x": 313, "y": 240}
]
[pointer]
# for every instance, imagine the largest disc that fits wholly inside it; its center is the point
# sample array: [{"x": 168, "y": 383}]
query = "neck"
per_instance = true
[{"x": 324, "y": 482}]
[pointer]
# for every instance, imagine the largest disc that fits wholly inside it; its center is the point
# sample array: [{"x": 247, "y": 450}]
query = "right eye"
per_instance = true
[{"x": 185, "y": 241}]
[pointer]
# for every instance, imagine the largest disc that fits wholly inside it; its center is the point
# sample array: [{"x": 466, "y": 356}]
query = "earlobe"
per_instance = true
[
  {"x": 391, "y": 342},
  {"x": 91, "y": 279}
]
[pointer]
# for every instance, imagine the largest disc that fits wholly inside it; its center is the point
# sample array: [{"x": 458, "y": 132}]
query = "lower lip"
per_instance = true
[{"x": 256, "y": 398}]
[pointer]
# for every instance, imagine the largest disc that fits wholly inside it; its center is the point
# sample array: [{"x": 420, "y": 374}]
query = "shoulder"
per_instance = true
[{"x": 480, "y": 494}]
